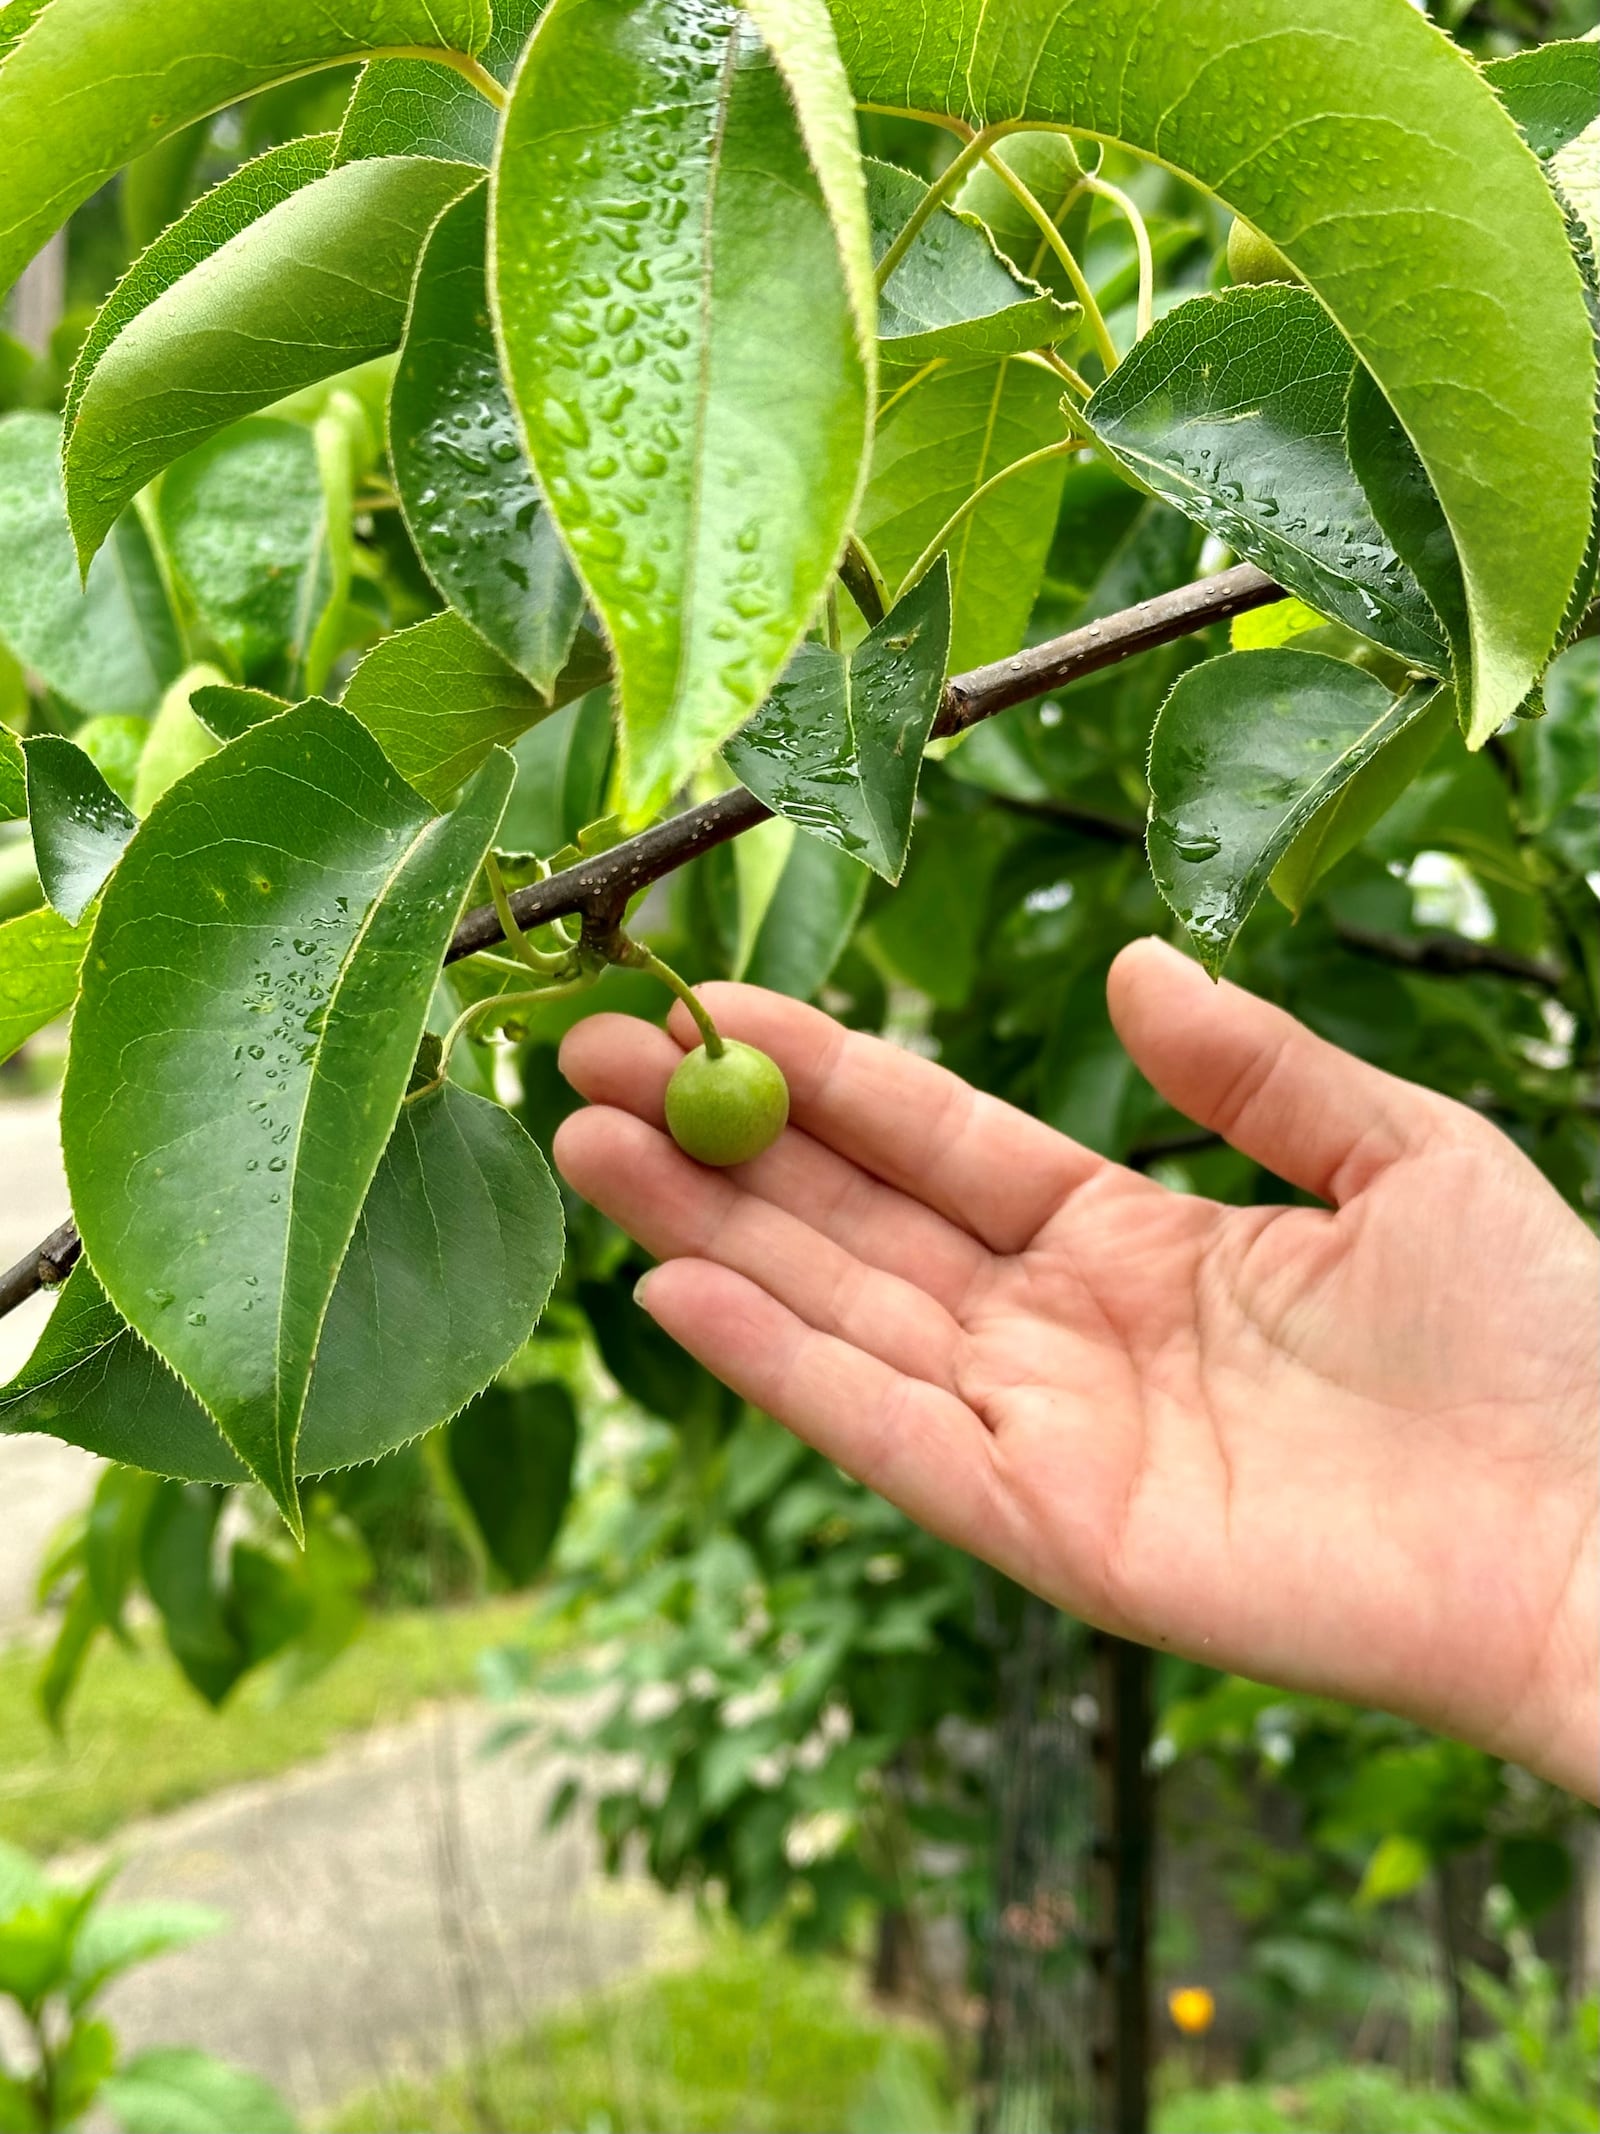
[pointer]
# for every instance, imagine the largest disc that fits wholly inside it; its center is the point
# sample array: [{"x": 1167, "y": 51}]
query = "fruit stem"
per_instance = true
[
  {"x": 527, "y": 997},
  {"x": 939, "y": 191},
  {"x": 639, "y": 958},
  {"x": 979, "y": 496}
]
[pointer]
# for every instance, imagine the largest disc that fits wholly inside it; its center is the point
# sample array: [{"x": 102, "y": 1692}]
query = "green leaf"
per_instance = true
[
  {"x": 838, "y": 745},
  {"x": 467, "y": 492},
  {"x": 193, "y": 57},
  {"x": 172, "y": 2089},
  {"x": 1536, "y": 1870},
  {"x": 452, "y": 1261},
  {"x": 79, "y": 825},
  {"x": 1552, "y": 91},
  {"x": 40, "y": 957},
  {"x": 13, "y": 778},
  {"x": 229, "y": 208},
  {"x": 228, "y": 711},
  {"x": 937, "y": 442},
  {"x": 952, "y": 294},
  {"x": 1340, "y": 825},
  {"x": 1395, "y": 1869},
  {"x": 1377, "y": 157},
  {"x": 115, "y": 1522},
  {"x": 116, "y": 1937},
  {"x": 315, "y": 285},
  {"x": 1233, "y": 408},
  {"x": 409, "y": 107},
  {"x": 437, "y": 700},
  {"x": 157, "y": 186},
  {"x": 697, "y": 421},
  {"x": 108, "y": 646},
  {"x": 81, "y": 2067},
  {"x": 1245, "y": 752},
  {"x": 179, "y": 1561},
  {"x": 511, "y": 1455},
  {"x": 279, "y": 924},
  {"x": 561, "y": 777},
  {"x": 1049, "y": 166},
  {"x": 114, "y": 745},
  {"x": 253, "y": 536},
  {"x": 808, "y": 920},
  {"x": 177, "y": 740},
  {"x": 81, "y": 1624}
]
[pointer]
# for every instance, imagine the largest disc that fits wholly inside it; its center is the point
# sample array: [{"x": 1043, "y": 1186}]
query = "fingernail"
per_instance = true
[{"x": 639, "y": 1289}]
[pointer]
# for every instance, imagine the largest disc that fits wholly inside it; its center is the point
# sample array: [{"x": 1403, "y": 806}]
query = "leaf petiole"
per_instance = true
[
  {"x": 1145, "y": 315},
  {"x": 472, "y": 71},
  {"x": 968, "y": 505},
  {"x": 1040, "y": 214},
  {"x": 635, "y": 956}
]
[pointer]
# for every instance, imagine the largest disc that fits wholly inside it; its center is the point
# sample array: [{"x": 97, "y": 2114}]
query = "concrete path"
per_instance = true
[
  {"x": 390, "y": 1910},
  {"x": 41, "y": 1480}
]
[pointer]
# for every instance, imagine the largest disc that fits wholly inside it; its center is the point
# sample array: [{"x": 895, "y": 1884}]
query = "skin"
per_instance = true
[{"x": 1346, "y": 1448}]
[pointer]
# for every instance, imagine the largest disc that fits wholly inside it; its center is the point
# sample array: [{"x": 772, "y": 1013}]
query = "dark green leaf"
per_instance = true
[
  {"x": 1377, "y": 157},
  {"x": 246, "y": 1074},
  {"x": 40, "y": 957},
  {"x": 408, "y": 107},
  {"x": 79, "y": 825},
  {"x": 1233, "y": 409},
  {"x": 1247, "y": 749},
  {"x": 808, "y": 920},
  {"x": 179, "y": 1559},
  {"x": 228, "y": 712},
  {"x": 937, "y": 442},
  {"x": 1551, "y": 90},
  {"x": 837, "y": 746},
  {"x": 81, "y": 1624},
  {"x": 457, "y": 1247},
  {"x": 315, "y": 285},
  {"x": 952, "y": 294},
  {"x": 172, "y": 2089},
  {"x": 223, "y": 213},
  {"x": 117, "y": 1513},
  {"x": 465, "y": 486},
  {"x": 647, "y": 1364},
  {"x": 438, "y": 699},
  {"x": 192, "y": 57},
  {"x": 258, "y": 538},
  {"x": 511, "y": 1453},
  {"x": 1536, "y": 1870},
  {"x": 109, "y": 646},
  {"x": 699, "y": 425}
]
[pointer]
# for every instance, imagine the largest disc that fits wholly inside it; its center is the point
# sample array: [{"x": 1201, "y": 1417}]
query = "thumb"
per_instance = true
[{"x": 1319, "y": 1117}]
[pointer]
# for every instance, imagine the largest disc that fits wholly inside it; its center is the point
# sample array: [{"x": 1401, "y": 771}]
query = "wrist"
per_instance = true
[{"x": 1555, "y": 1733}]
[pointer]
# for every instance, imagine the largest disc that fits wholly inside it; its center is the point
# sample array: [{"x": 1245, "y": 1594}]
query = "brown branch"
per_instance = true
[
  {"x": 599, "y": 890},
  {"x": 1451, "y": 956}
]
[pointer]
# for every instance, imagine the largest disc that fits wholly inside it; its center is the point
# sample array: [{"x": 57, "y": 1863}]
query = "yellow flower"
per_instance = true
[{"x": 1192, "y": 2009}]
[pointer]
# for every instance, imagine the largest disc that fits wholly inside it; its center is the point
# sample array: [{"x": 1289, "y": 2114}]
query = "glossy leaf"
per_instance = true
[
  {"x": 110, "y": 646},
  {"x": 193, "y": 57},
  {"x": 838, "y": 745},
  {"x": 79, "y": 825},
  {"x": 228, "y": 711},
  {"x": 223, "y": 213},
  {"x": 259, "y": 543},
  {"x": 452, "y": 1261},
  {"x": 316, "y": 285},
  {"x": 937, "y": 442},
  {"x": 1342, "y": 822},
  {"x": 952, "y": 294},
  {"x": 1247, "y": 749},
  {"x": 13, "y": 777},
  {"x": 468, "y": 494},
  {"x": 437, "y": 699},
  {"x": 411, "y": 107},
  {"x": 1233, "y": 409},
  {"x": 40, "y": 957},
  {"x": 808, "y": 919},
  {"x": 511, "y": 1455},
  {"x": 1371, "y": 151},
  {"x": 232, "y": 1086},
  {"x": 1552, "y": 91},
  {"x": 697, "y": 413}
]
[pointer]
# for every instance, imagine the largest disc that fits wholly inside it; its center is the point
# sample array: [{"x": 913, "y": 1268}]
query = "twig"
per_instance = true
[
  {"x": 1451, "y": 956},
  {"x": 599, "y": 890}
]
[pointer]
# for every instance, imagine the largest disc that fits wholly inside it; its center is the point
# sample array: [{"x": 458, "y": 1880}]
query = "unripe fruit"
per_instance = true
[
  {"x": 726, "y": 1109},
  {"x": 1254, "y": 258}
]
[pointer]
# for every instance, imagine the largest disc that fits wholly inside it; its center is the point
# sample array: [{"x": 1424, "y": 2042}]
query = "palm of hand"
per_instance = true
[{"x": 1341, "y": 1451}]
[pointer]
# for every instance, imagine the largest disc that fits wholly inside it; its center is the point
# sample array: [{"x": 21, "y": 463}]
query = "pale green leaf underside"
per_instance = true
[
  {"x": 94, "y": 83},
  {"x": 837, "y": 747},
  {"x": 109, "y": 646},
  {"x": 453, "y": 1258},
  {"x": 316, "y": 285},
  {"x": 40, "y": 956},
  {"x": 261, "y": 977},
  {"x": 678, "y": 334},
  {"x": 1246, "y": 751},
  {"x": 1373, "y": 152}
]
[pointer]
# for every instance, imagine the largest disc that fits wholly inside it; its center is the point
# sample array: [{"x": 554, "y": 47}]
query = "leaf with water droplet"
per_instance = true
[
  {"x": 299, "y": 829},
  {"x": 476, "y": 517},
  {"x": 1552, "y": 91},
  {"x": 80, "y": 827},
  {"x": 838, "y": 745},
  {"x": 748, "y": 382},
  {"x": 1249, "y": 750}
]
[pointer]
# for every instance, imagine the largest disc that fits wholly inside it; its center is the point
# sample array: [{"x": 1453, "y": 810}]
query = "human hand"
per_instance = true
[{"x": 1346, "y": 1449}]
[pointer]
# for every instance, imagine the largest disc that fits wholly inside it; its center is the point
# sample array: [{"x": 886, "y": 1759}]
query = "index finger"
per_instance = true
[{"x": 980, "y": 1162}]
